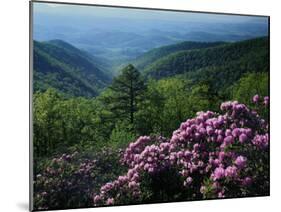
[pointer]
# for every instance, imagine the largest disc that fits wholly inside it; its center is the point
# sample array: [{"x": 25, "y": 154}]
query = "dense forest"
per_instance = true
[
  {"x": 244, "y": 54},
  {"x": 81, "y": 111},
  {"x": 69, "y": 70}
]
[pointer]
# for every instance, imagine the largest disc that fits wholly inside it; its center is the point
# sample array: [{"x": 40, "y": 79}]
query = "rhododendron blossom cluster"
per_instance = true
[
  {"x": 215, "y": 155},
  {"x": 68, "y": 177}
]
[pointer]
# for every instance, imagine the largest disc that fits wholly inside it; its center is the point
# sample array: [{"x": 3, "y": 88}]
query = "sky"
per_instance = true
[{"x": 97, "y": 11}]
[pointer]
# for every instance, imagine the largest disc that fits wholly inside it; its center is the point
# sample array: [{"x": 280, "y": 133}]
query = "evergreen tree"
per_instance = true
[{"x": 128, "y": 89}]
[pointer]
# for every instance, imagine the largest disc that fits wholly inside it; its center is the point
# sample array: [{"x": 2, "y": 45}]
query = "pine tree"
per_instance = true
[{"x": 127, "y": 90}]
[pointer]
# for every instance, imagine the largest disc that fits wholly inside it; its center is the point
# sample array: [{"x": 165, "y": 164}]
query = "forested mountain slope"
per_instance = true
[
  {"x": 98, "y": 62},
  {"x": 149, "y": 57},
  {"x": 60, "y": 65},
  {"x": 244, "y": 56}
]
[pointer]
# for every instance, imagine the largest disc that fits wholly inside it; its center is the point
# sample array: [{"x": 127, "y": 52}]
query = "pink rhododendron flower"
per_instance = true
[
  {"x": 241, "y": 161},
  {"x": 256, "y": 98}
]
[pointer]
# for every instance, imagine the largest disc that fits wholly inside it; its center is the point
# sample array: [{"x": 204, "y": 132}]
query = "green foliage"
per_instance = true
[
  {"x": 61, "y": 122},
  {"x": 245, "y": 56},
  {"x": 45, "y": 116},
  {"x": 121, "y": 135},
  {"x": 148, "y": 118},
  {"x": 143, "y": 61},
  {"x": 66, "y": 68},
  {"x": 250, "y": 85},
  {"x": 176, "y": 107},
  {"x": 126, "y": 93},
  {"x": 168, "y": 102}
]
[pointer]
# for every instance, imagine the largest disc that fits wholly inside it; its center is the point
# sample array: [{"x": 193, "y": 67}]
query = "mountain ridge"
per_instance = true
[
  {"x": 143, "y": 61},
  {"x": 59, "y": 64},
  {"x": 190, "y": 60}
]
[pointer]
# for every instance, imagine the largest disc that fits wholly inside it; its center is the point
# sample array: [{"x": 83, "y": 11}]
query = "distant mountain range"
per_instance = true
[
  {"x": 119, "y": 35},
  {"x": 75, "y": 72}
]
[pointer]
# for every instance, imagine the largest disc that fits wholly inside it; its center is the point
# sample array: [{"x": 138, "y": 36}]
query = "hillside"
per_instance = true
[
  {"x": 62, "y": 66},
  {"x": 149, "y": 57},
  {"x": 236, "y": 58},
  {"x": 98, "y": 62}
]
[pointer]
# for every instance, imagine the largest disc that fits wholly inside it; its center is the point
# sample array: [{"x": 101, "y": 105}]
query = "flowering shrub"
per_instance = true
[
  {"x": 213, "y": 155},
  {"x": 71, "y": 179}
]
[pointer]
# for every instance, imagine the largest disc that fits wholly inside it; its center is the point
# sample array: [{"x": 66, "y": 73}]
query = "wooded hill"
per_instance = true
[
  {"x": 238, "y": 58},
  {"x": 74, "y": 72},
  {"x": 70, "y": 70},
  {"x": 146, "y": 59}
]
